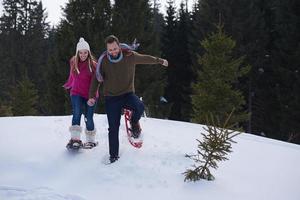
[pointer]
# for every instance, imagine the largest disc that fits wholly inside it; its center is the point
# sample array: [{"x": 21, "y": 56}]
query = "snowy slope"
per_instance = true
[{"x": 34, "y": 164}]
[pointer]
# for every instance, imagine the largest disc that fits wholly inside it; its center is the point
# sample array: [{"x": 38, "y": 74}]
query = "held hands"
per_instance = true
[
  {"x": 91, "y": 102},
  {"x": 165, "y": 63}
]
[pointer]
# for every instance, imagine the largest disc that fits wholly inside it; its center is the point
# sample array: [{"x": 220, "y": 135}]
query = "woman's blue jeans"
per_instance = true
[{"x": 79, "y": 107}]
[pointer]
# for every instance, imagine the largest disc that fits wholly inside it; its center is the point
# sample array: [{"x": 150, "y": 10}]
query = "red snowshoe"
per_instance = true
[{"x": 134, "y": 131}]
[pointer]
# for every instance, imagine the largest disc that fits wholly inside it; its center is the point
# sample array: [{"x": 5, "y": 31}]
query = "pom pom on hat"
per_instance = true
[{"x": 82, "y": 45}]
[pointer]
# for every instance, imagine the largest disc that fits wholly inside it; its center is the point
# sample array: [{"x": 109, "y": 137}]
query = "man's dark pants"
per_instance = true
[{"x": 113, "y": 108}]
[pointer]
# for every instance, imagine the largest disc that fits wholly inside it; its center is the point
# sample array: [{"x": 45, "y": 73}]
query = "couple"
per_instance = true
[{"x": 115, "y": 70}]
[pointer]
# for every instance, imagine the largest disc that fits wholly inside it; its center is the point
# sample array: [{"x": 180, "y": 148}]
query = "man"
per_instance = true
[{"x": 117, "y": 71}]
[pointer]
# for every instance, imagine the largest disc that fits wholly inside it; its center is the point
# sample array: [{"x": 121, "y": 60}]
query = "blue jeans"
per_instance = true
[
  {"x": 79, "y": 107},
  {"x": 113, "y": 108}
]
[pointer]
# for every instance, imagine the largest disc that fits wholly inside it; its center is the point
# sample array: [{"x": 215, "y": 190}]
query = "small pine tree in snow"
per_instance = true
[{"x": 214, "y": 147}]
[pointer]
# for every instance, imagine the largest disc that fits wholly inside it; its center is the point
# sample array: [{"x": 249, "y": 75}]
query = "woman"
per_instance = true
[{"x": 82, "y": 69}]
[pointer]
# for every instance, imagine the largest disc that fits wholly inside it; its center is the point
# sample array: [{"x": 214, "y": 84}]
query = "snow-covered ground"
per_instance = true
[{"x": 35, "y": 165}]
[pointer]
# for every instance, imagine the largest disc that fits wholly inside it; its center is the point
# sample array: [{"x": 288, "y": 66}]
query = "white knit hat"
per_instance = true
[{"x": 82, "y": 45}]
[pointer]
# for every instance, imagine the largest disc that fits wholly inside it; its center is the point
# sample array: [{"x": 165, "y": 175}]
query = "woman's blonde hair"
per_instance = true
[{"x": 91, "y": 60}]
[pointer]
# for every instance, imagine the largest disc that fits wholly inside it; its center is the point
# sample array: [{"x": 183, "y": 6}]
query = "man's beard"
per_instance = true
[{"x": 116, "y": 56}]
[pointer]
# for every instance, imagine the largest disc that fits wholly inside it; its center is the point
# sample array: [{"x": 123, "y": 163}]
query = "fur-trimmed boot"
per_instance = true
[
  {"x": 75, "y": 141},
  {"x": 90, "y": 139}
]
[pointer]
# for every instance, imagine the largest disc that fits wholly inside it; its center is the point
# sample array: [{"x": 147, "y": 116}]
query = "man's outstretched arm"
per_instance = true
[{"x": 147, "y": 59}]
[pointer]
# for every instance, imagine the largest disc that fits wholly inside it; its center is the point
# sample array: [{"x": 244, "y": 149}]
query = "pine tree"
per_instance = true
[
  {"x": 11, "y": 40},
  {"x": 151, "y": 80},
  {"x": 138, "y": 19},
  {"x": 168, "y": 40},
  {"x": 180, "y": 74},
  {"x": 284, "y": 59},
  {"x": 101, "y": 25},
  {"x": 213, "y": 148},
  {"x": 37, "y": 51},
  {"x": 272, "y": 52},
  {"x": 196, "y": 34},
  {"x": 248, "y": 22},
  {"x": 24, "y": 98},
  {"x": 23, "y": 32},
  {"x": 215, "y": 90},
  {"x": 57, "y": 99},
  {"x": 132, "y": 19},
  {"x": 253, "y": 21},
  {"x": 5, "y": 109}
]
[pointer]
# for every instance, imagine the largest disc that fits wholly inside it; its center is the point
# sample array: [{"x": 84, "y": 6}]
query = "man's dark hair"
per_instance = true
[{"x": 110, "y": 39}]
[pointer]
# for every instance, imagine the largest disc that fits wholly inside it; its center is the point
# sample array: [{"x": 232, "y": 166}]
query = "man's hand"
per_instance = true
[
  {"x": 91, "y": 102},
  {"x": 165, "y": 63}
]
